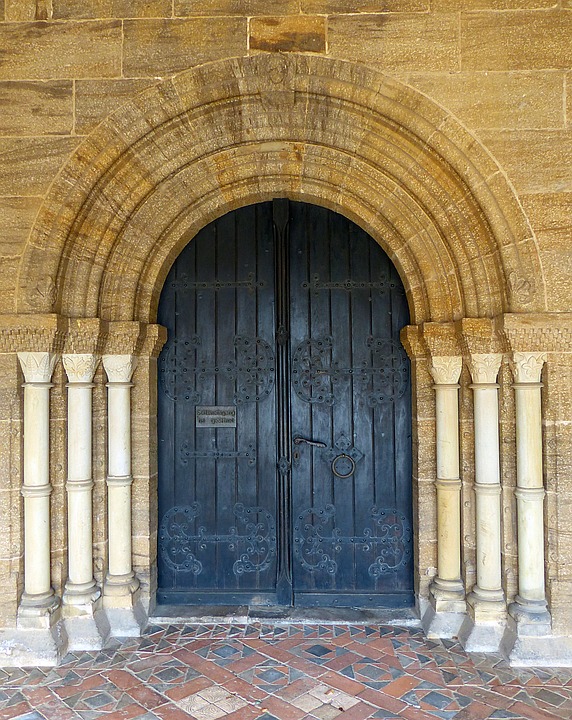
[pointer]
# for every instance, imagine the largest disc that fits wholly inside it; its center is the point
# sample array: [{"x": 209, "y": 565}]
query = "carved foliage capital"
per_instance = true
[
  {"x": 527, "y": 366},
  {"x": 484, "y": 367},
  {"x": 119, "y": 368},
  {"x": 446, "y": 369},
  {"x": 80, "y": 368},
  {"x": 38, "y": 367}
]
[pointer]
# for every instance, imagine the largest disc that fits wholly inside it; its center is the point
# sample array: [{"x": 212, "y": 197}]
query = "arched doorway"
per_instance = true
[{"x": 284, "y": 416}]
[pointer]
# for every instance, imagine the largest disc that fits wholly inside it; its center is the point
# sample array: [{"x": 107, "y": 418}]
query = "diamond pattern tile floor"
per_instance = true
[{"x": 261, "y": 671}]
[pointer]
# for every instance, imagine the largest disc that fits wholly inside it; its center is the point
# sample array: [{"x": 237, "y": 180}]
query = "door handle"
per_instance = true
[{"x": 313, "y": 443}]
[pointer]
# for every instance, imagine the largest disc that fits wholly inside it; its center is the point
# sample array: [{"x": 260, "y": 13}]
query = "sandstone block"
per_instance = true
[
  {"x": 397, "y": 41},
  {"x": 16, "y": 220},
  {"x": 19, "y": 10},
  {"x": 86, "y": 9},
  {"x": 550, "y": 219},
  {"x": 473, "y": 5},
  {"x": 96, "y": 99},
  {"x": 187, "y": 8},
  {"x": 507, "y": 100},
  {"x": 46, "y": 50},
  {"x": 36, "y": 108},
  {"x": 332, "y": 7},
  {"x": 537, "y": 161},
  {"x": 297, "y": 33},
  {"x": 28, "y": 165},
  {"x": 516, "y": 40},
  {"x": 162, "y": 47}
]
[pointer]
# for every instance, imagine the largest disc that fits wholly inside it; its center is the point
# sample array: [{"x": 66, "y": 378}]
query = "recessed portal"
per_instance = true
[{"x": 284, "y": 416}]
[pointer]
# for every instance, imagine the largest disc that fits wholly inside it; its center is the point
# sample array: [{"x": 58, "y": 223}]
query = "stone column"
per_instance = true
[
  {"x": 120, "y": 583},
  {"x": 529, "y": 617},
  {"x": 447, "y": 593},
  {"x": 38, "y": 601},
  {"x": 81, "y": 590},
  {"x": 486, "y": 602}
]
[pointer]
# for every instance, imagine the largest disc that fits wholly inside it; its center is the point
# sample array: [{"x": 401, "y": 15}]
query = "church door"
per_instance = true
[{"x": 284, "y": 416}]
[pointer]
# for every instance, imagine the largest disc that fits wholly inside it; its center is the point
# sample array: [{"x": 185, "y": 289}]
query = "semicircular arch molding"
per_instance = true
[{"x": 249, "y": 129}]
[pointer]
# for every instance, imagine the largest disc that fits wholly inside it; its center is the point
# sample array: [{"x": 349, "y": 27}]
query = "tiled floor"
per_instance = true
[{"x": 287, "y": 672}]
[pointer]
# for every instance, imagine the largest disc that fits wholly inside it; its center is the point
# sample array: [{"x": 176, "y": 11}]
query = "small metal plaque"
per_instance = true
[{"x": 210, "y": 416}]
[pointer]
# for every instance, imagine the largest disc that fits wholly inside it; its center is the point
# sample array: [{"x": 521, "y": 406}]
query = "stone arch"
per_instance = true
[{"x": 247, "y": 129}]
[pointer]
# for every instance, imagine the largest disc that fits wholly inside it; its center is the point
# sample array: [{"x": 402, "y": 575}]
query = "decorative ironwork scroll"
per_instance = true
[
  {"x": 317, "y": 540},
  {"x": 384, "y": 371},
  {"x": 252, "y": 369},
  {"x": 315, "y": 284},
  {"x": 253, "y": 541},
  {"x": 251, "y": 284}
]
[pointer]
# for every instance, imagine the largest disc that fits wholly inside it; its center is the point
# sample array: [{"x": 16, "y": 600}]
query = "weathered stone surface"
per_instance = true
[
  {"x": 28, "y": 165},
  {"x": 516, "y": 40},
  {"x": 397, "y": 41},
  {"x": 188, "y": 8},
  {"x": 36, "y": 108},
  {"x": 288, "y": 34},
  {"x": 87, "y": 9},
  {"x": 43, "y": 50},
  {"x": 158, "y": 48},
  {"x": 16, "y": 219},
  {"x": 95, "y": 99},
  {"x": 473, "y": 5},
  {"x": 537, "y": 161},
  {"x": 550, "y": 218},
  {"x": 19, "y": 10},
  {"x": 332, "y": 7},
  {"x": 507, "y": 100}
]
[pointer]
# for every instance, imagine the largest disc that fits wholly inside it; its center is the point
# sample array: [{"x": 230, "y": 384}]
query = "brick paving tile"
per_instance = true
[{"x": 259, "y": 671}]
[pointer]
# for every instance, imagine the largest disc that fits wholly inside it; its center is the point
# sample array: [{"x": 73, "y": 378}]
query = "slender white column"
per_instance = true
[
  {"x": 38, "y": 594},
  {"x": 120, "y": 578},
  {"x": 484, "y": 370},
  {"x": 81, "y": 588},
  {"x": 531, "y": 598},
  {"x": 448, "y": 585}
]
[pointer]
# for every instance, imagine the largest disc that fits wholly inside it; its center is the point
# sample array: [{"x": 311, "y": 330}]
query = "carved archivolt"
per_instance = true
[{"x": 248, "y": 129}]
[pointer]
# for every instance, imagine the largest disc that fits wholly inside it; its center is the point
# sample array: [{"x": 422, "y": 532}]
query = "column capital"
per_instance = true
[
  {"x": 446, "y": 370},
  {"x": 536, "y": 332},
  {"x": 80, "y": 367},
  {"x": 38, "y": 367},
  {"x": 32, "y": 333},
  {"x": 527, "y": 366},
  {"x": 484, "y": 367},
  {"x": 412, "y": 340},
  {"x": 119, "y": 368}
]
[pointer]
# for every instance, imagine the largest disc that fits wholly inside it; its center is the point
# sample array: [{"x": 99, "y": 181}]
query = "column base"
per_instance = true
[
  {"x": 86, "y": 625},
  {"x": 528, "y": 642},
  {"x": 39, "y": 638},
  {"x": 38, "y": 612},
  {"x": 80, "y": 594},
  {"x": 484, "y": 626},
  {"x": 446, "y": 609},
  {"x": 120, "y": 585},
  {"x": 123, "y": 608}
]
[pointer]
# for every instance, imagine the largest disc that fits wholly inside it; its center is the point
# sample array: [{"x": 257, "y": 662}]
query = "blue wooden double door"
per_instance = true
[{"x": 284, "y": 416}]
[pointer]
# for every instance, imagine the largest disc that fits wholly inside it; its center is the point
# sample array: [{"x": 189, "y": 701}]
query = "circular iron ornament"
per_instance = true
[{"x": 343, "y": 466}]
